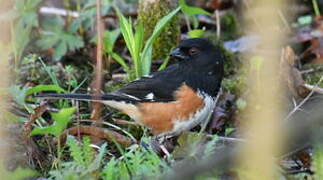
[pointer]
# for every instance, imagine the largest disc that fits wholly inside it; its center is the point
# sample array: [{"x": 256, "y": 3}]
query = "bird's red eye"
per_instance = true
[{"x": 193, "y": 51}]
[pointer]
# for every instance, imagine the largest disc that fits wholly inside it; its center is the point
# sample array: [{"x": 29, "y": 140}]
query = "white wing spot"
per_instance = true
[
  {"x": 150, "y": 96},
  {"x": 148, "y": 76},
  {"x": 130, "y": 96}
]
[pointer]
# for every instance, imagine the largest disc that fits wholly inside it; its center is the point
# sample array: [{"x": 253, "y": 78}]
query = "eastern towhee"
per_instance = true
[{"x": 173, "y": 100}]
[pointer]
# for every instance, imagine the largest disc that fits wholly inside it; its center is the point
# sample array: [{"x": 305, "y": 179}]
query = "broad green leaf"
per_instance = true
[
  {"x": 189, "y": 10},
  {"x": 59, "y": 50},
  {"x": 73, "y": 41},
  {"x": 139, "y": 37},
  {"x": 47, "y": 41},
  {"x": 196, "y": 33},
  {"x": 109, "y": 39},
  {"x": 146, "y": 61},
  {"x": 42, "y": 87},
  {"x": 61, "y": 120}
]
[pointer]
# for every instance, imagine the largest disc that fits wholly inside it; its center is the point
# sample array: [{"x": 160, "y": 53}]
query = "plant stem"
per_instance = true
[{"x": 316, "y": 8}]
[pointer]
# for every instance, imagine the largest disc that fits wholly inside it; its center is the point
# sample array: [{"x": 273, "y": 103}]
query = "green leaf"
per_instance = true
[
  {"x": 189, "y": 10},
  {"x": 87, "y": 151},
  {"x": 59, "y": 51},
  {"x": 73, "y": 41},
  {"x": 47, "y": 41},
  {"x": 120, "y": 60},
  {"x": 146, "y": 54},
  {"x": 109, "y": 39},
  {"x": 146, "y": 60},
  {"x": 110, "y": 170},
  {"x": 139, "y": 37},
  {"x": 61, "y": 120},
  {"x": 129, "y": 37},
  {"x": 196, "y": 33},
  {"x": 75, "y": 149},
  {"x": 42, "y": 87}
]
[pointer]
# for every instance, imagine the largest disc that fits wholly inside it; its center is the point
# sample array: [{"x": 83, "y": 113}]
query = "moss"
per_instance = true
[
  {"x": 150, "y": 12},
  {"x": 229, "y": 27}
]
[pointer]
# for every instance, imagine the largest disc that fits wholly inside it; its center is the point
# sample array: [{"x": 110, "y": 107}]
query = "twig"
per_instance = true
[
  {"x": 307, "y": 71},
  {"x": 314, "y": 88},
  {"x": 59, "y": 12},
  {"x": 97, "y": 83},
  {"x": 295, "y": 151},
  {"x": 303, "y": 101},
  {"x": 231, "y": 139},
  {"x": 218, "y": 24},
  {"x": 100, "y": 133},
  {"x": 124, "y": 122},
  {"x": 116, "y": 127},
  {"x": 33, "y": 117}
]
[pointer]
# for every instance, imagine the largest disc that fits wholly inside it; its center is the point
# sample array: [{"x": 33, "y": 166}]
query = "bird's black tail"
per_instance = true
[{"x": 86, "y": 97}]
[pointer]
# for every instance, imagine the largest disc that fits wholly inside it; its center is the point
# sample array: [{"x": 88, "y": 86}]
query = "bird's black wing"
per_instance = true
[{"x": 158, "y": 87}]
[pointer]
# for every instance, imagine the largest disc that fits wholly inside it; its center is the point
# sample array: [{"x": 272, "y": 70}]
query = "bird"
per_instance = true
[{"x": 173, "y": 100}]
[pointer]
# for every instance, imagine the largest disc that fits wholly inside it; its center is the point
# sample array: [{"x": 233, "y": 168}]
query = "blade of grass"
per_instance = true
[
  {"x": 128, "y": 35},
  {"x": 146, "y": 62}
]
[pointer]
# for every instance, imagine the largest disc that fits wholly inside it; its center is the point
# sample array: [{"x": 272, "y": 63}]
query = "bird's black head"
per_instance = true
[
  {"x": 190, "y": 49},
  {"x": 202, "y": 63}
]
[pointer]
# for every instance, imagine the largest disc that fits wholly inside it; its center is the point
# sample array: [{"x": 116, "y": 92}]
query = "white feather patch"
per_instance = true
[
  {"x": 196, "y": 118},
  {"x": 150, "y": 96}
]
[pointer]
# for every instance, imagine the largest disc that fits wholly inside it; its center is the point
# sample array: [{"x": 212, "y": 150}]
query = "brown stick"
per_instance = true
[
  {"x": 33, "y": 117},
  {"x": 97, "y": 83},
  {"x": 99, "y": 133}
]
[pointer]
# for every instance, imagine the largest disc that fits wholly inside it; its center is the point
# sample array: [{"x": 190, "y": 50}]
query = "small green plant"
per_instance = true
[
  {"x": 55, "y": 36},
  {"x": 141, "y": 53},
  {"x": 61, "y": 119},
  {"x": 25, "y": 13},
  {"x": 137, "y": 163},
  {"x": 191, "y": 12},
  {"x": 84, "y": 163}
]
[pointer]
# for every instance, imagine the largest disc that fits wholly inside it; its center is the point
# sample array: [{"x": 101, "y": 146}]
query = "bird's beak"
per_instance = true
[{"x": 178, "y": 54}]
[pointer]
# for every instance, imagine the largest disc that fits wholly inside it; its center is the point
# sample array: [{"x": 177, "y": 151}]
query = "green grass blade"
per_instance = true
[
  {"x": 121, "y": 61},
  {"x": 128, "y": 35},
  {"x": 42, "y": 87},
  {"x": 148, "y": 46}
]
